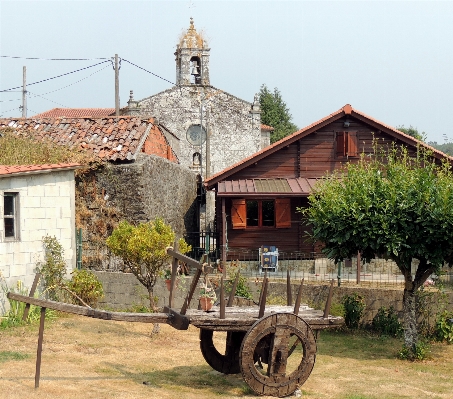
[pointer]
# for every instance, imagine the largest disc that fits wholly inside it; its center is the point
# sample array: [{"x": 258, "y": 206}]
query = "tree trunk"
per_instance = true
[
  {"x": 409, "y": 317},
  {"x": 152, "y": 302}
]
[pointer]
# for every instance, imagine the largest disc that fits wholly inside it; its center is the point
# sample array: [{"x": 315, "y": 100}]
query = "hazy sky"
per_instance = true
[{"x": 392, "y": 60}]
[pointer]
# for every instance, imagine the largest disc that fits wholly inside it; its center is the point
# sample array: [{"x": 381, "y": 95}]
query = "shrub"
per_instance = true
[
  {"x": 53, "y": 269},
  {"x": 86, "y": 286},
  {"x": 444, "y": 327},
  {"x": 386, "y": 322},
  {"x": 419, "y": 352},
  {"x": 242, "y": 289},
  {"x": 354, "y": 305}
]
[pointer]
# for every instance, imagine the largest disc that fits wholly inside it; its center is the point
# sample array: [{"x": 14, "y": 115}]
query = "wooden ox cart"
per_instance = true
[{"x": 274, "y": 347}]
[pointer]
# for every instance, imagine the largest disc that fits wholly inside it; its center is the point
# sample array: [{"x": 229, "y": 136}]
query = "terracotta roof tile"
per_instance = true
[
  {"x": 76, "y": 113},
  {"x": 7, "y": 170},
  {"x": 101, "y": 136}
]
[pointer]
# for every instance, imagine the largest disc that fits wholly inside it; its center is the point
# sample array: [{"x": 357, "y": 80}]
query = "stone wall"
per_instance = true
[
  {"x": 138, "y": 192},
  {"x": 124, "y": 291},
  {"x": 234, "y": 132},
  {"x": 152, "y": 187}
]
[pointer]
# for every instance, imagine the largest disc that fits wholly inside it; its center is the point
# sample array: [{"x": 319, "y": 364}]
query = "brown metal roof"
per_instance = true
[{"x": 258, "y": 187}]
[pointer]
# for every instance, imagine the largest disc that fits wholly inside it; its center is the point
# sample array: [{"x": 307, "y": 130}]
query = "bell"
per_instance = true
[{"x": 194, "y": 70}]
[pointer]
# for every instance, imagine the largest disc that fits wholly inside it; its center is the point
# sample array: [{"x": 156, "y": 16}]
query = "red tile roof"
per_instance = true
[
  {"x": 267, "y": 128},
  {"x": 6, "y": 170},
  {"x": 110, "y": 139},
  {"x": 346, "y": 110},
  {"x": 76, "y": 113}
]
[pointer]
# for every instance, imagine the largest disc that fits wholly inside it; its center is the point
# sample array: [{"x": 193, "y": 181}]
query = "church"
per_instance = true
[{"x": 208, "y": 128}]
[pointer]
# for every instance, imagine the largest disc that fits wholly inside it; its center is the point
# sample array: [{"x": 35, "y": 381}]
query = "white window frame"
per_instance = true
[{"x": 14, "y": 216}]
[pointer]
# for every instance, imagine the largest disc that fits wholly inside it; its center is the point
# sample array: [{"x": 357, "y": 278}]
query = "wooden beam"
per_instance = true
[
  {"x": 32, "y": 293},
  {"x": 263, "y": 298},
  {"x": 298, "y": 298},
  {"x": 184, "y": 258},
  {"x": 174, "y": 270},
  {"x": 191, "y": 291},
  {"x": 224, "y": 230},
  {"x": 90, "y": 312},
  {"x": 222, "y": 299},
  {"x": 329, "y": 300},
  {"x": 39, "y": 350}
]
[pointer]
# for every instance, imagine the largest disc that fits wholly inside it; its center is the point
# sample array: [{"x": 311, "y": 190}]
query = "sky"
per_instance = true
[{"x": 392, "y": 60}]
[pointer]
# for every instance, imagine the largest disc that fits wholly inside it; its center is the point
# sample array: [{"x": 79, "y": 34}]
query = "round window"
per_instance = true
[{"x": 196, "y": 135}]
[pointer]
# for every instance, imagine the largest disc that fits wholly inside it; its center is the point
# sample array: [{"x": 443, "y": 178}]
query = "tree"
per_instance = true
[
  {"x": 393, "y": 206},
  {"x": 275, "y": 113},
  {"x": 143, "y": 250},
  {"x": 413, "y": 131}
]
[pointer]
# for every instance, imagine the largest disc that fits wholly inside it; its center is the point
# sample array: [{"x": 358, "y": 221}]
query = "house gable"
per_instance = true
[{"x": 315, "y": 150}]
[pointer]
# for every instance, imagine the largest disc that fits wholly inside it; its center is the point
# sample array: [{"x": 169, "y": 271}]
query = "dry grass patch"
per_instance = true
[{"x": 90, "y": 358}]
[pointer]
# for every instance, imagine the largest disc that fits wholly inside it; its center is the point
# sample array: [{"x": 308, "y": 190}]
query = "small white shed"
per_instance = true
[{"x": 35, "y": 201}]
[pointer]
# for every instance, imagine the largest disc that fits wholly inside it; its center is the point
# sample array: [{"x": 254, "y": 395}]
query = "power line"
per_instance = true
[
  {"x": 59, "y": 76},
  {"x": 72, "y": 84},
  {"x": 52, "y": 59},
  {"x": 139, "y": 67},
  {"x": 37, "y": 95},
  {"x": 12, "y": 109}
]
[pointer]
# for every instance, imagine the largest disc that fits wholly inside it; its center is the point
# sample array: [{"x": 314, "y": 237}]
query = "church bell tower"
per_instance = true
[{"x": 192, "y": 59}]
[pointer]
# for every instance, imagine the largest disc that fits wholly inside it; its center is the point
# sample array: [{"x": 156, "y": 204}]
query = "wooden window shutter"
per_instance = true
[
  {"x": 341, "y": 144},
  {"x": 282, "y": 213},
  {"x": 238, "y": 214},
  {"x": 352, "y": 148}
]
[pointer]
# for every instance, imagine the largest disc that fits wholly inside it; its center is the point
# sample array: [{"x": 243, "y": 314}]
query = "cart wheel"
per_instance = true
[
  {"x": 277, "y": 354},
  {"x": 227, "y": 363}
]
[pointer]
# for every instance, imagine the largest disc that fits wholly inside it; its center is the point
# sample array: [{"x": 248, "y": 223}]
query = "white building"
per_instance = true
[{"x": 35, "y": 201}]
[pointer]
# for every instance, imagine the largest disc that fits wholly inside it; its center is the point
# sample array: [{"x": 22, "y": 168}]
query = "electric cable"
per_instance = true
[
  {"x": 37, "y": 95},
  {"x": 55, "y": 77},
  {"x": 12, "y": 109},
  {"x": 160, "y": 77},
  {"x": 52, "y": 59}
]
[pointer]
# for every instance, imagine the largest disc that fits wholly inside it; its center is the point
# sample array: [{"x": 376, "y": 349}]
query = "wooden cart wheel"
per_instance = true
[
  {"x": 227, "y": 363},
  {"x": 277, "y": 354}
]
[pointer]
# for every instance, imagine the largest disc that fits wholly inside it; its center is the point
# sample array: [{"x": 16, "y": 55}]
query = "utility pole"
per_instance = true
[
  {"x": 24, "y": 92},
  {"x": 117, "y": 88}
]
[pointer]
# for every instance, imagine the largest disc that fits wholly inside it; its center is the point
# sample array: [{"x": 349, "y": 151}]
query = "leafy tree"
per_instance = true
[
  {"x": 393, "y": 206},
  {"x": 446, "y": 148},
  {"x": 143, "y": 250},
  {"x": 413, "y": 131},
  {"x": 275, "y": 113}
]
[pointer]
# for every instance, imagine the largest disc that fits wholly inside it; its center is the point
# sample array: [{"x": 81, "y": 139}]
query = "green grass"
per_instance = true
[{"x": 6, "y": 356}]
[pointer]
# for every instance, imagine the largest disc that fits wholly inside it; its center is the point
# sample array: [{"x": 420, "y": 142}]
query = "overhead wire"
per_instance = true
[
  {"x": 12, "y": 109},
  {"x": 37, "y": 95},
  {"x": 52, "y": 59},
  {"x": 55, "y": 77}
]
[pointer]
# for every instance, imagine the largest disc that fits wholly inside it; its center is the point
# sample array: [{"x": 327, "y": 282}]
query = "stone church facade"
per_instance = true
[{"x": 208, "y": 128}]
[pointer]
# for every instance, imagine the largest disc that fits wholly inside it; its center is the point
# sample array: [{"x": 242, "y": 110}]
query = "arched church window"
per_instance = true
[{"x": 196, "y": 135}]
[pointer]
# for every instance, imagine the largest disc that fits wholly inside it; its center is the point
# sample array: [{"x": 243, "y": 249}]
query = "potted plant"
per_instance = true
[
  {"x": 166, "y": 275},
  {"x": 207, "y": 297}
]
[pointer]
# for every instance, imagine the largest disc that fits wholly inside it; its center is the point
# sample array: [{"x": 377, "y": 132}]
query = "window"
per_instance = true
[
  {"x": 347, "y": 144},
  {"x": 10, "y": 216},
  {"x": 261, "y": 213}
]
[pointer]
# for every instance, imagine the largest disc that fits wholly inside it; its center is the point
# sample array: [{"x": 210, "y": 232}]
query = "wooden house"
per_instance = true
[{"x": 257, "y": 198}]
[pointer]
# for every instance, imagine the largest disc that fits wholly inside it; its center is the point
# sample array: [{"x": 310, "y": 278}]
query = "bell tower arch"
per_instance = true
[{"x": 192, "y": 59}]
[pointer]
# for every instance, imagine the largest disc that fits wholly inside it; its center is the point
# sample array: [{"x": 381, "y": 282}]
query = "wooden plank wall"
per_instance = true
[
  {"x": 288, "y": 239},
  {"x": 311, "y": 157}
]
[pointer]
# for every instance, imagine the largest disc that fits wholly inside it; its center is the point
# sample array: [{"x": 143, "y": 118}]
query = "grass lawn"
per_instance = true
[{"x": 89, "y": 358}]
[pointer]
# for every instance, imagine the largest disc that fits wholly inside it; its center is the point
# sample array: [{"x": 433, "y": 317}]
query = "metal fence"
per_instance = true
[{"x": 314, "y": 267}]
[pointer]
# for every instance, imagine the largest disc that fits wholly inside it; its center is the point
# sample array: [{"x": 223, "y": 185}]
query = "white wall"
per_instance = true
[{"x": 46, "y": 207}]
